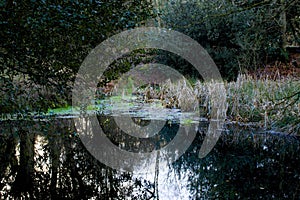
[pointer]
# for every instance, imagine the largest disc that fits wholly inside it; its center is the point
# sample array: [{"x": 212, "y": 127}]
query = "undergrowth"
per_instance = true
[
  {"x": 267, "y": 103},
  {"x": 272, "y": 104}
]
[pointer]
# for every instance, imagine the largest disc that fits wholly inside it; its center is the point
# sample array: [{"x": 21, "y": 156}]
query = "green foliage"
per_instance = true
[
  {"x": 46, "y": 41},
  {"x": 238, "y": 35},
  {"x": 127, "y": 62}
]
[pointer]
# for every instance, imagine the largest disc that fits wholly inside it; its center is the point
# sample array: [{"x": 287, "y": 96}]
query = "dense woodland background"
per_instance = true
[{"x": 43, "y": 43}]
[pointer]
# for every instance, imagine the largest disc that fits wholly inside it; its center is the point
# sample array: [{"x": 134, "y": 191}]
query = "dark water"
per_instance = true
[{"x": 45, "y": 159}]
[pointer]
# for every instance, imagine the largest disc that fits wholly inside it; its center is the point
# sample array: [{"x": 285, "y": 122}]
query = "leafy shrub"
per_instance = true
[{"x": 238, "y": 35}]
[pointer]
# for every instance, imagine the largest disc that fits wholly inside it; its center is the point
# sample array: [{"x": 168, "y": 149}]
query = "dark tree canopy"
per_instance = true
[
  {"x": 44, "y": 42},
  {"x": 238, "y": 34}
]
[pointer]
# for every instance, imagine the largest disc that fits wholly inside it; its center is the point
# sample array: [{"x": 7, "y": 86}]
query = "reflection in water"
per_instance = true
[
  {"x": 46, "y": 160},
  {"x": 168, "y": 183}
]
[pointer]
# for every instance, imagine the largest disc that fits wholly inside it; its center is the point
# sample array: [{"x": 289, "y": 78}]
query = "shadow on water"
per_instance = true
[{"x": 46, "y": 160}]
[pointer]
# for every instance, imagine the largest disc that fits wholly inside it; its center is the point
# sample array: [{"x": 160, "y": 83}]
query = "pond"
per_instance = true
[{"x": 45, "y": 158}]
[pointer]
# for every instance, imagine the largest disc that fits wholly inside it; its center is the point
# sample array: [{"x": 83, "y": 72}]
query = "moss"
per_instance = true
[{"x": 59, "y": 110}]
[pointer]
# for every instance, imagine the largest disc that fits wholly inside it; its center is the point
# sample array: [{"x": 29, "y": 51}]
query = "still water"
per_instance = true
[{"x": 46, "y": 159}]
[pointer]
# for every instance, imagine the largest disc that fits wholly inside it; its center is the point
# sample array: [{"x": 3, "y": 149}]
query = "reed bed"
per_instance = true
[{"x": 271, "y": 104}]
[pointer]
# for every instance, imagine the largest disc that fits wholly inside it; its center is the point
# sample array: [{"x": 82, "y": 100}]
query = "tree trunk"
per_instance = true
[
  {"x": 7, "y": 156},
  {"x": 283, "y": 24},
  {"x": 76, "y": 178},
  {"x": 55, "y": 146},
  {"x": 24, "y": 178}
]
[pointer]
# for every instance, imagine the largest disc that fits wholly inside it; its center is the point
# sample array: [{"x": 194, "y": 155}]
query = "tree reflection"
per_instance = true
[
  {"x": 245, "y": 164},
  {"x": 63, "y": 170},
  {"x": 46, "y": 160}
]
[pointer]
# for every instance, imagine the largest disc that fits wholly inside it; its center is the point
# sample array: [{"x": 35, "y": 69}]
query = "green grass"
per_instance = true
[{"x": 66, "y": 109}]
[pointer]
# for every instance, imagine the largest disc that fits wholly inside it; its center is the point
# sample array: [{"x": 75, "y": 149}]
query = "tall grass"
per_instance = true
[
  {"x": 267, "y": 103},
  {"x": 272, "y": 104}
]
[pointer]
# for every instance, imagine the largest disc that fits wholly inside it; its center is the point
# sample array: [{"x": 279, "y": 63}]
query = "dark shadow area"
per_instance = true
[{"x": 46, "y": 160}]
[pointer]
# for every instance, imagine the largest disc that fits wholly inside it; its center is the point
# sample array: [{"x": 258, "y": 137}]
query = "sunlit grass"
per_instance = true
[{"x": 60, "y": 110}]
